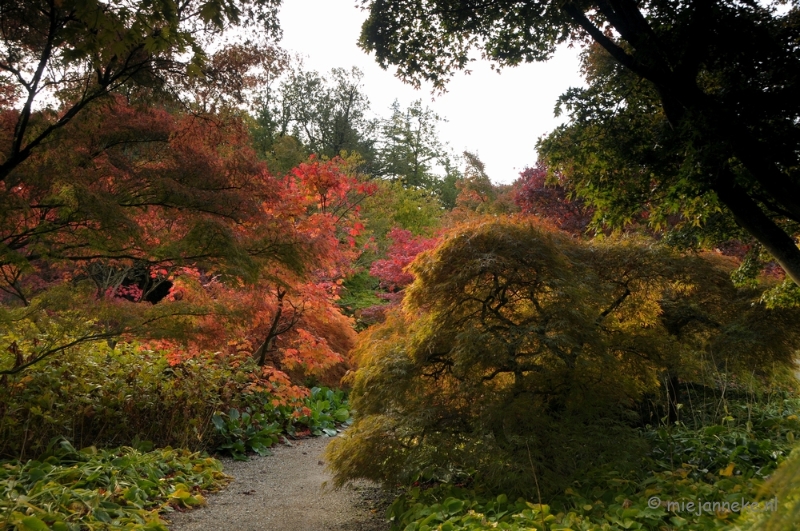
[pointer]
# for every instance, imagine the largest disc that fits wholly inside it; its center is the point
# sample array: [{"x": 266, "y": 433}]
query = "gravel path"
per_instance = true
[{"x": 285, "y": 492}]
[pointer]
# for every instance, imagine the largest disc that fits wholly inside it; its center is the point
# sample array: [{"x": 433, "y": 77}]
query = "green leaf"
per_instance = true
[
  {"x": 677, "y": 521},
  {"x": 714, "y": 430},
  {"x": 453, "y": 505},
  {"x": 260, "y": 449},
  {"x": 31, "y": 523},
  {"x": 102, "y": 516}
]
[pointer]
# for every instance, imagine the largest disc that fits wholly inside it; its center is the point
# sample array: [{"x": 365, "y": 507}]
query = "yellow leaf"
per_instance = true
[{"x": 727, "y": 471}]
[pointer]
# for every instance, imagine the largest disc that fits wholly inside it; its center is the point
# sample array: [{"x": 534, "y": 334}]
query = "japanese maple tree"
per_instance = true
[
  {"x": 392, "y": 270},
  {"x": 535, "y": 194}
]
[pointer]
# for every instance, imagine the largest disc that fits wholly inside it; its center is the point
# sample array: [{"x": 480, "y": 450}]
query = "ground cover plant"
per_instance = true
[
  {"x": 718, "y": 464},
  {"x": 135, "y": 396},
  {"x": 121, "y": 488},
  {"x": 262, "y": 424}
]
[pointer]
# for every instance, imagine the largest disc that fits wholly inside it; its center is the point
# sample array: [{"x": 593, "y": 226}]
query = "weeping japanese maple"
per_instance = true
[{"x": 520, "y": 353}]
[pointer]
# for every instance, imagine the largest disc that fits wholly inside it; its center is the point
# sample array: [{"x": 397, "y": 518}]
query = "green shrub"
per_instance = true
[
  {"x": 519, "y": 356},
  {"x": 245, "y": 432},
  {"x": 98, "y": 395},
  {"x": 785, "y": 486},
  {"x": 258, "y": 427},
  {"x": 324, "y": 410},
  {"x": 107, "y": 396}
]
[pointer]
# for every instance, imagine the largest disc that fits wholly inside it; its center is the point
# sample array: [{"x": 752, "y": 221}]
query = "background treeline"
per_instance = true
[{"x": 304, "y": 112}]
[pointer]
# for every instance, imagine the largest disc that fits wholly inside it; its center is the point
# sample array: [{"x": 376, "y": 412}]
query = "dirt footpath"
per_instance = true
[{"x": 284, "y": 492}]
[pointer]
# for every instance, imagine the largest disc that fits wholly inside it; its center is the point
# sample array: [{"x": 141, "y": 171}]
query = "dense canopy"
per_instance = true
[{"x": 721, "y": 79}]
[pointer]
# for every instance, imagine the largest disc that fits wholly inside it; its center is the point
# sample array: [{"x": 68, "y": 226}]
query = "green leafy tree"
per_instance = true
[
  {"x": 328, "y": 114},
  {"x": 394, "y": 205},
  {"x": 391, "y": 206},
  {"x": 520, "y": 353},
  {"x": 411, "y": 152},
  {"x": 411, "y": 146},
  {"x": 722, "y": 75}
]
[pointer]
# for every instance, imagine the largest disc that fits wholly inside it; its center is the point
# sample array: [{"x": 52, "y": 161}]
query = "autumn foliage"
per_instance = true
[
  {"x": 516, "y": 345},
  {"x": 534, "y": 194},
  {"x": 137, "y": 205},
  {"x": 392, "y": 270}
]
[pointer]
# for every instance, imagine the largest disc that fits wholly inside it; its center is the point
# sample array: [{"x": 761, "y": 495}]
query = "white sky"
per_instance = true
[{"x": 498, "y": 116}]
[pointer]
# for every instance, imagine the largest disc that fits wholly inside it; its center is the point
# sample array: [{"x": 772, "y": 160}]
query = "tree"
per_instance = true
[
  {"x": 721, "y": 74},
  {"x": 393, "y": 205},
  {"x": 134, "y": 209},
  {"x": 410, "y": 145},
  {"x": 287, "y": 319},
  {"x": 392, "y": 270},
  {"x": 392, "y": 208},
  {"x": 119, "y": 202},
  {"x": 410, "y": 152},
  {"x": 328, "y": 114},
  {"x": 133, "y": 204},
  {"x": 533, "y": 194},
  {"x": 129, "y": 182},
  {"x": 518, "y": 348},
  {"x": 76, "y": 52},
  {"x": 477, "y": 193}
]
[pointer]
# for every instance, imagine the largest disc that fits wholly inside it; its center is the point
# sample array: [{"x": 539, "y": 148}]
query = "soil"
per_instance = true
[{"x": 289, "y": 490}]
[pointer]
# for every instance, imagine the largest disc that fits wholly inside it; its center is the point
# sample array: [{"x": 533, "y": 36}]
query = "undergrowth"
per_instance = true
[
  {"x": 697, "y": 475},
  {"x": 260, "y": 425},
  {"x": 130, "y": 399},
  {"x": 107, "y": 397},
  {"x": 94, "y": 489}
]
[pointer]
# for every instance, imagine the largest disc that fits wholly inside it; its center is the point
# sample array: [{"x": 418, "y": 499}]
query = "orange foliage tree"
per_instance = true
[{"x": 137, "y": 204}]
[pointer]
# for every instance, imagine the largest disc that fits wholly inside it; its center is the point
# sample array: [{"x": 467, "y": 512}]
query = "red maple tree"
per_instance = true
[{"x": 550, "y": 201}]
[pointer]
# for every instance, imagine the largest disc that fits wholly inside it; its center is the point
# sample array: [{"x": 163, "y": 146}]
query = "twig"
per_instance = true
[{"x": 536, "y": 481}]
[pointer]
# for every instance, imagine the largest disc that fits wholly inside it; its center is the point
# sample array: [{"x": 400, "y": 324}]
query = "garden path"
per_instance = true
[{"x": 287, "y": 491}]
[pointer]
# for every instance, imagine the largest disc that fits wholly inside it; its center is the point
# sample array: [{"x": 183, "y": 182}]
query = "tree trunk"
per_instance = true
[
  {"x": 266, "y": 346},
  {"x": 751, "y": 218}
]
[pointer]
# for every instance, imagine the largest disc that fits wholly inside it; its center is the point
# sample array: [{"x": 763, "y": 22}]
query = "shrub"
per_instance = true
[
  {"x": 245, "y": 432},
  {"x": 98, "y": 395},
  {"x": 723, "y": 464},
  {"x": 259, "y": 426},
  {"x": 519, "y": 356}
]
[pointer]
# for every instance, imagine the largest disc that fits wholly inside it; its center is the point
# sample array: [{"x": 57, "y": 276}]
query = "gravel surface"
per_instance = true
[{"x": 286, "y": 492}]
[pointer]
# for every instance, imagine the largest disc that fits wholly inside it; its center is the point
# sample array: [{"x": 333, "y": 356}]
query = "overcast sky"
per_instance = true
[{"x": 499, "y": 116}]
